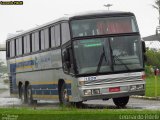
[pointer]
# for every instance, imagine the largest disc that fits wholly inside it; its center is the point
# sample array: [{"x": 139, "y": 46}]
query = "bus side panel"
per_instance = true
[{"x": 43, "y": 71}]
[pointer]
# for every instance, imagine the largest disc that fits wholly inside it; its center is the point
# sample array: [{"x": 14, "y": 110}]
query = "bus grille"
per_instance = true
[{"x": 114, "y": 80}]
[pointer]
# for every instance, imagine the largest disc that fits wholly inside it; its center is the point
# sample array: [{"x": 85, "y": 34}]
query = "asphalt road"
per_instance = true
[{"x": 7, "y": 101}]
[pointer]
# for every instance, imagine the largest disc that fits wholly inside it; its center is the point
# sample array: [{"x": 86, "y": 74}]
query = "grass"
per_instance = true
[
  {"x": 150, "y": 86},
  {"x": 73, "y": 113}
]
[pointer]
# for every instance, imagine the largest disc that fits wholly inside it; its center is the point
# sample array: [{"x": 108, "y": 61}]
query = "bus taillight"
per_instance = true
[{"x": 143, "y": 77}]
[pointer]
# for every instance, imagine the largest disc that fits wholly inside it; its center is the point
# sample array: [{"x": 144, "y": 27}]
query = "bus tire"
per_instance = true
[
  {"x": 21, "y": 93},
  {"x": 29, "y": 97},
  {"x": 63, "y": 95},
  {"x": 121, "y": 101},
  {"x": 78, "y": 104}
]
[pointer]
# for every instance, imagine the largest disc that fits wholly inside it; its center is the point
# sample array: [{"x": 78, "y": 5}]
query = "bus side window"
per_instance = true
[
  {"x": 57, "y": 35},
  {"x": 8, "y": 49},
  {"x": 53, "y": 44},
  {"x": 19, "y": 46},
  {"x": 46, "y": 37},
  {"x": 65, "y": 32},
  {"x": 33, "y": 42},
  {"x": 12, "y": 48},
  {"x": 42, "y": 40},
  {"x": 36, "y": 41}
]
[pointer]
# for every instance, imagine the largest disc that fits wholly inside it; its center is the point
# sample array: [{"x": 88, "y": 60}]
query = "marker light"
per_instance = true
[
  {"x": 140, "y": 87},
  {"x": 136, "y": 87},
  {"x": 87, "y": 92},
  {"x": 133, "y": 88},
  {"x": 143, "y": 76},
  {"x": 81, "y": 83},
  {"x": 95, "y": 91}
]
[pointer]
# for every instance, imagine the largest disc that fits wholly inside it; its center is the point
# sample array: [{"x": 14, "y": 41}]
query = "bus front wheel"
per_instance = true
[
  {"x": 121, "y": 101},
  {"x": 63, "y": 95},
  {"x": 78, "y": 104}
]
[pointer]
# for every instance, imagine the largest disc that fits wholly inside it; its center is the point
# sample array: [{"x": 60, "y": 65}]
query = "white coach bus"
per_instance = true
[{"x": 96, "y": 55}]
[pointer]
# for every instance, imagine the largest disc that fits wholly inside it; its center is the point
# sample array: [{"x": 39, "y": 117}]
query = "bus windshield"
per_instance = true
[
  {"x": 101, "y": 26},
  {"x": 110, "y": 54}
]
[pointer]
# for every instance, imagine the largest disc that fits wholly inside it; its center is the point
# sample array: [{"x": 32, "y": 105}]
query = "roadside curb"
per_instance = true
[{"x": 144, "y": 97}]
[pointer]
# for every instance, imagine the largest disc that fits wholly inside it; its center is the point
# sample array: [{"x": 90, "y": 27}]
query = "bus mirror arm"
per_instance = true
[
  {"x": 143, "y": 47},
  {"x": 144, "y": 51}
]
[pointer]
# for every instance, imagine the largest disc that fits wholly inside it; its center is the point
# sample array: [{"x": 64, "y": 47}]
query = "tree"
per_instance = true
[
  {"x": 3, "y": 68},
  {"x": 153, "y": 58},
  {"x": 157, "y": 7}
]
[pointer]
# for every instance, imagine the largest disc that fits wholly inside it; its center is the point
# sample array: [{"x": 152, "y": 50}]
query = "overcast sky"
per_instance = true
[{"x": 37, "y": 12}]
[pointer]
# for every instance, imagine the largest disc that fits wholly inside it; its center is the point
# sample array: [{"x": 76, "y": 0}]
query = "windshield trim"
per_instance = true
[{"x": 106, "y": 35}]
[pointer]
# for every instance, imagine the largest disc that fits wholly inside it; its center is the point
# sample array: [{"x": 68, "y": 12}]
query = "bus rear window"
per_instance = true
[{"x": 102, "y": 26}]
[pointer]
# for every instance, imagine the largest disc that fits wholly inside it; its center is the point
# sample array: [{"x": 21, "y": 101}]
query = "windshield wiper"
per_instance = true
[
  {"x": 117, "y": 58},
  {"x": 100, "y": 60}
]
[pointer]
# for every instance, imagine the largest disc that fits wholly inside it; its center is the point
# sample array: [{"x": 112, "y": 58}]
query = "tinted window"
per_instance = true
[
  {"x": 65, "y": 32},
  {"x": 42, "y": 39},
  {"x": 53, "y": 44},
  {"x": 8, "y": 49},
  {"x": 102, "y": 26},
  {"x": 46, "y": 36},
  {"x": 10, "y": 44},
  {"x": 12, "y": 48},
  {"x": 57, "y": 35},
  {"x": 19, "y": 46},
  {"x": 27, "y": 44},
  {"x": 36, "y": 41},
  {"x": 33, "y": 42}
]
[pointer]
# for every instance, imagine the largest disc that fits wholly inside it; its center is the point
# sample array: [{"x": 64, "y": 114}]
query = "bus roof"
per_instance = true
[
  {"x": 38, "y": 27},
  {"x": 74, "y": 16},
  {"x": 99, "y": 13}
]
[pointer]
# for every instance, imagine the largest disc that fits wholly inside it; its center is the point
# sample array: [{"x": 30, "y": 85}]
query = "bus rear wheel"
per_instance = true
[
  {"x": 21, "y": 93},
  {"x": 29, "y": 97},
  {"x": 63, "y": 95},
  {"x": 121, "y": 101}
]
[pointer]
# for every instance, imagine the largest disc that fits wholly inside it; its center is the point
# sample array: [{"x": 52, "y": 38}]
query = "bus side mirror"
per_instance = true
[
  {"x": 144, "y": 51},
  {"x": 143, "y": 47}
]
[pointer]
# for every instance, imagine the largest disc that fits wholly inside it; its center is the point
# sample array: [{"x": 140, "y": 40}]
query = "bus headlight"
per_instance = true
[
  {"x": 132, "y": 87},
  {"x": 140, "y": 87},
  {"x": 81, "y": 83},
  {"x": 87, "y": 92},
  {"x": 95, "y": 91},
  {"x": 136, "y": 87}
]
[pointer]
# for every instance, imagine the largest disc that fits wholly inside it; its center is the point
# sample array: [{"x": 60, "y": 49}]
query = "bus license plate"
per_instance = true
[{"x": 115, "y": 89}]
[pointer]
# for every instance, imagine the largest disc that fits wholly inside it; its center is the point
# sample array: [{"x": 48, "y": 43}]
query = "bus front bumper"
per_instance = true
[{"x": 107, "y": 92}]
